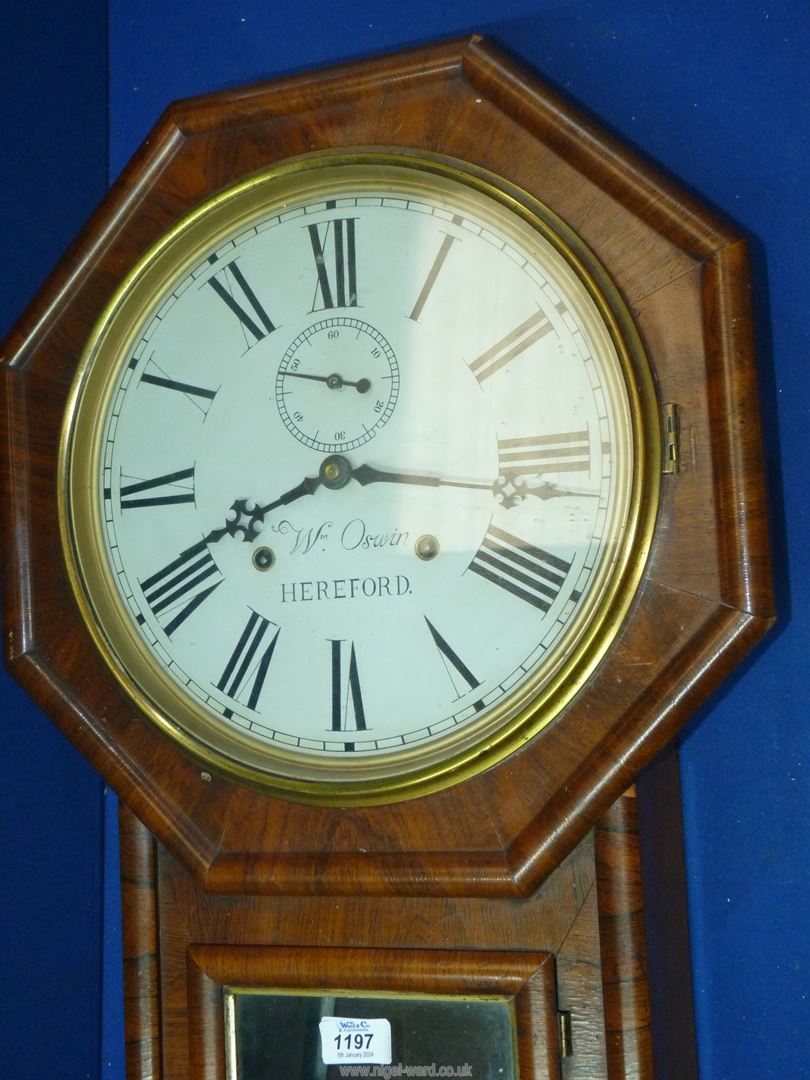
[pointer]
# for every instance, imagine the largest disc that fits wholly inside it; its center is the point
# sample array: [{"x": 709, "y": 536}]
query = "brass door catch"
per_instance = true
[{"x": 671, "y": 416}]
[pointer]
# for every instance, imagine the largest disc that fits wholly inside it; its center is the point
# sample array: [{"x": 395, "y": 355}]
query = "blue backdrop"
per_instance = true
[{"x": 719, "y": 95}]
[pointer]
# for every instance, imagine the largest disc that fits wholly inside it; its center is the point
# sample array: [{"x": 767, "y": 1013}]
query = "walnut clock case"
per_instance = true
[{"x": 403, "y": 431}]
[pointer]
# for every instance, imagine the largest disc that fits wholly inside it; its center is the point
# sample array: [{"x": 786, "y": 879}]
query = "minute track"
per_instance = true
[{"x": 411, "y": 458}]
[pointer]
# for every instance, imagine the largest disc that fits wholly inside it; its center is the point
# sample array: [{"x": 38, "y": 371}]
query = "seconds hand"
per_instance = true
[{"x": 334, "y": 381}]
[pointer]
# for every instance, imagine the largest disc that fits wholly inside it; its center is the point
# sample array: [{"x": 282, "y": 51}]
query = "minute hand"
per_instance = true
[{"x": 367, "y": 474}]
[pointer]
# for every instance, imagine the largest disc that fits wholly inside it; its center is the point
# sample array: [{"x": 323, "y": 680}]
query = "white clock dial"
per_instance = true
[{"x": 363, "y": 479}]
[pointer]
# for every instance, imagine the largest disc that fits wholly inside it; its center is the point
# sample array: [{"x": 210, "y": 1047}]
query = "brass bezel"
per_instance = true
[{"x": 104, "y": 614}]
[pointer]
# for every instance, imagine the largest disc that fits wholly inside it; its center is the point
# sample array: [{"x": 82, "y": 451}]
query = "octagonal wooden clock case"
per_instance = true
[{"x": 402, "y": 429}]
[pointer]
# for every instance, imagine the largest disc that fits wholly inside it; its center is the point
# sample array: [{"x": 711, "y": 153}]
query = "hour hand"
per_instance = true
[{"x": 246, "y": 518}]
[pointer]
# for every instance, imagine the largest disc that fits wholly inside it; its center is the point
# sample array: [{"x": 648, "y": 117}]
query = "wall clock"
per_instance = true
[
  {"x": 403, "y": 432},
  {"x": 297, "y": 502}
]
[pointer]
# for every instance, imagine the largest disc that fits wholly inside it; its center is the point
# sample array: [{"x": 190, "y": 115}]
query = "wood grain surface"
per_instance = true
[
  {"x": 705, "y": 598},
  {"x": 579, "y": 945},
  {"x": 509, "y": 866}
]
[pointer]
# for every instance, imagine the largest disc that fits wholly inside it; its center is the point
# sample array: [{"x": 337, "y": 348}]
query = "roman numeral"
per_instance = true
[
  {"x": 433, "y": 273},
  {"x": 180, "y": 387},
  {"x": 199, "y": 396},
  {"x": 348, "y": 713},
  {"x": 232, "y": 288},
  {"x": 570, "y": 451},
  {"x": 521, "y": 569},
  {"x": 178, "y": 589},
  {"x": 510, "y": 346},
  {"x": 174, "y": 491},
  {"x": 453, "y": 662},
  {"x": 247, "y": 667},
  {"x": 338, "y": 289}
]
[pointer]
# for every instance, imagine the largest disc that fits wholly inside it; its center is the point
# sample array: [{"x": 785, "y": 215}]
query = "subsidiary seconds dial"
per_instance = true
[
  {"x": 337, "y": 384},
  {"x": 363, "y": 444}
]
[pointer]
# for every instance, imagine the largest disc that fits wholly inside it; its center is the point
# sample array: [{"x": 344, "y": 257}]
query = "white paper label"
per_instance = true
[{"x": 345, "y": 1041}]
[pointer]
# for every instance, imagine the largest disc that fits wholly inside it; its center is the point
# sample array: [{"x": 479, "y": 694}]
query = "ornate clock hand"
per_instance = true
[
  {"x": 367, "y": 474},
  {"x": 333, "y": 381},
  {"x": 245, "y": 518},
  {"x": 307, "y": 486},
  {"x": 547, "y": 490},
  {"x": 512, "y": 493}
]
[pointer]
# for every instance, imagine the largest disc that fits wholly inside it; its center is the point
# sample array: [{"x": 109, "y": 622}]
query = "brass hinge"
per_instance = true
[
  {"x": 566, "y": 1038},
  {"x": 671, "y": 416}
]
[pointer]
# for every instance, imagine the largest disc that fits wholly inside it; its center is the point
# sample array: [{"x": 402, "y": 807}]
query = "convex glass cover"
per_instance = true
[{"x": 359, "y": 475}]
